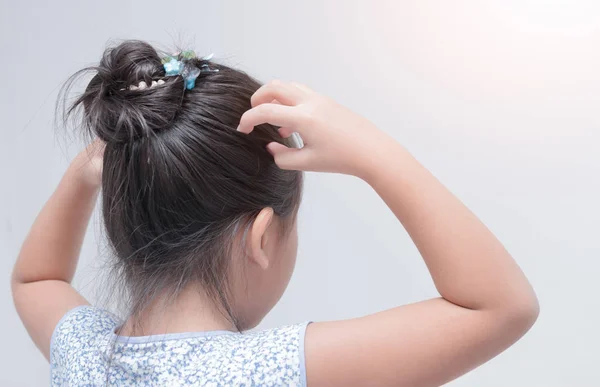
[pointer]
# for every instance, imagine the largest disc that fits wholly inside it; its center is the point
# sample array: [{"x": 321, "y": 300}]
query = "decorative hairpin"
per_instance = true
[
  {"x": 174, "y": 67},
  {"x": 188, "y": 71}
]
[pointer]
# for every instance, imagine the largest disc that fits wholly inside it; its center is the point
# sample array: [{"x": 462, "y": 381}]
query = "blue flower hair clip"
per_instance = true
[{"x": 184, "y": 67}]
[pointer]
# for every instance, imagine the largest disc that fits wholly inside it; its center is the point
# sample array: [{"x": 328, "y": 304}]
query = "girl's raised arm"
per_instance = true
[
  {"x": 41, "y": 280},
  {"x": 486, "y": 302}
]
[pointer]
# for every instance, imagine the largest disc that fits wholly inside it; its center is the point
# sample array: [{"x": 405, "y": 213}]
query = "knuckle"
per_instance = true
[
  {"x": 267, "y": 111},
  {"x": 308, "y": 114}
]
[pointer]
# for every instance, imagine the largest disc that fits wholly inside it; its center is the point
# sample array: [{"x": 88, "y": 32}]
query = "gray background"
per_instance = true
[{"x": 498, "y": 99}]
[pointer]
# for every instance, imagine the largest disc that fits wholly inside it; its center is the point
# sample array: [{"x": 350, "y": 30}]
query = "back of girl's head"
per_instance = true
[{"x": 179, "y": 182}]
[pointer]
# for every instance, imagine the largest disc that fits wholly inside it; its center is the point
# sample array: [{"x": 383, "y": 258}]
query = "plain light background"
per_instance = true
[{"x": 499, "y": 99}]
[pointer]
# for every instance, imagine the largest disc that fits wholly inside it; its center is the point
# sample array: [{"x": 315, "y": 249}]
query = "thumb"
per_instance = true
[{"x": 288, "y": 158}]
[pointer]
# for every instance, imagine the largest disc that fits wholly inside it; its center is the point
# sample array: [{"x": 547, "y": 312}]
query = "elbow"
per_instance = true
[
  {"x": 522, "y": 314},
  {"x": 17, "y": 282},
  {"x": 15, "y": 285},
  {"x": 14, "y": 280},
  {"x": 530, "y": 313}
]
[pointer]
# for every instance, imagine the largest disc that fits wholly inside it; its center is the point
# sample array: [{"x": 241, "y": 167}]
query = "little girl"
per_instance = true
[{"x": 200, "y": 179}]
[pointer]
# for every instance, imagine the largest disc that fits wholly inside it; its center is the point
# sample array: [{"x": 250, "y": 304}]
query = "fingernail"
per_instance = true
[{"x": 238, "y": 128}]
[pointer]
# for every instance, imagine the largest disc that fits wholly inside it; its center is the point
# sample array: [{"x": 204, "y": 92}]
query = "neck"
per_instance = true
[{"x": 191, "y": 311}]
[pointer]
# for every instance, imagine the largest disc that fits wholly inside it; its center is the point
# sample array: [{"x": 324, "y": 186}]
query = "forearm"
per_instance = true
[
  {"x": 51, "y": 249},
  {"x": 469, "y": 266}
]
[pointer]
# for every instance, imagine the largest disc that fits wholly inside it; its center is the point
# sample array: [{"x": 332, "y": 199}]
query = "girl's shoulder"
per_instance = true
[{"x": 84, "y": 323}]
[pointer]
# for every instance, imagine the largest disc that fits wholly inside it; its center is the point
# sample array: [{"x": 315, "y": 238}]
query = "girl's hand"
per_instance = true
[
  {"x": 87, "y": 165},
  {"x": 335, "y": 139}
]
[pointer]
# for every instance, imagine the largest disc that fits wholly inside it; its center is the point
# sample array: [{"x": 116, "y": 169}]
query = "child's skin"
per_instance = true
[{"x": 486, "y": 302}]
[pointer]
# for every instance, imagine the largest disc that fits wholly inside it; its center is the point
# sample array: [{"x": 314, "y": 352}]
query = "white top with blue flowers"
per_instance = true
[{"x": 85, "y": 351}]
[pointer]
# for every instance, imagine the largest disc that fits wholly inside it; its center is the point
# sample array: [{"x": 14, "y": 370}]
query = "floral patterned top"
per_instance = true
[{"x": 85, "y": 351}]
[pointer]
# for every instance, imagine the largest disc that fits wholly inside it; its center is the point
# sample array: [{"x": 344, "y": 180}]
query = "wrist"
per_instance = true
[
  {"x": 86, "y": 167},
  {"x": 80, "y": 172},
  {"x": 382, "y": 160}
]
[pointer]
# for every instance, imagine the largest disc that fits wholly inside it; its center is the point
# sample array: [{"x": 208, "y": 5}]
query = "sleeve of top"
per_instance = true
[
  {"x": 278, "y": 355},
  {"x": 79, "y": 331},
  {"x": 302, "y": 335}
]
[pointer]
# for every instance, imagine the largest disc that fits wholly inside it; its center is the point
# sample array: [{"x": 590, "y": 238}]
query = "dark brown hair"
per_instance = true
[{"x": 179, "y": 182}]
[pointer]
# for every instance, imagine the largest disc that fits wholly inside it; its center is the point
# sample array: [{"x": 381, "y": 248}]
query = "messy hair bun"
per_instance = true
[
  {"x": 115, "y": 112},
  {"x": 178, "y": 180}
]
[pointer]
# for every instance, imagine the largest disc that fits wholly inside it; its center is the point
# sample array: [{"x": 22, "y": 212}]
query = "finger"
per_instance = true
[
  {"x": 268, "y": 113},
  {"x": 289, "y": 158},
  {"x": 285, "y": 132},
  {"x": 284, "y": 93}
]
